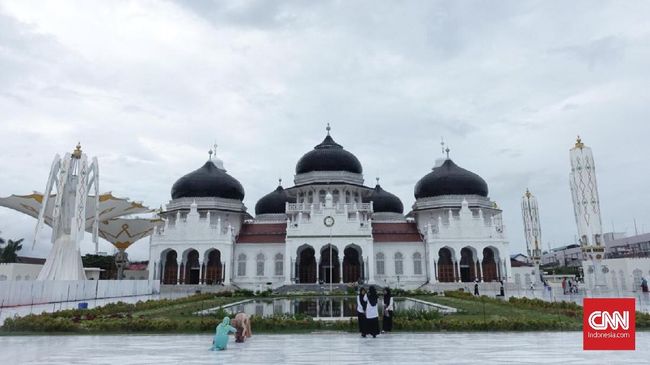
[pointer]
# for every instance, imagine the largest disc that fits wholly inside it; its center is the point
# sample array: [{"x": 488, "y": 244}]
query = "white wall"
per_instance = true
[
  {"x": 408, "y": 279},
  {"x": 13, "y": 293},
  {"x": 622, "y": 274}
]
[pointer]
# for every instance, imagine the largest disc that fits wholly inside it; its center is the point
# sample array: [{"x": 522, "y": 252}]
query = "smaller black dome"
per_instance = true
[
  {"x": 384, "y": 202},
  {"x": 328, "y": 156},
  {"x": 273, "y": 202},
  {"x": 208, "y": 181},
  {"x": 450, "y": 179}
]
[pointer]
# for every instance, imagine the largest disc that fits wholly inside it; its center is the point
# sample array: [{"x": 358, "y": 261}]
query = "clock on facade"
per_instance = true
[{"x": 329, "y": 221}]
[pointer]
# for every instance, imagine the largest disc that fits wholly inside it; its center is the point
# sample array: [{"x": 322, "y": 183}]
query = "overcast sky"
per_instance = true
[{"x": 149, "y": 86}]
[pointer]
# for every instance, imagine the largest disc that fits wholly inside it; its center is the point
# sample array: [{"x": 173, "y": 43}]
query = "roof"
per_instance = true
[
  {"x": 30, "y": 260},
  {"x": 262, "y": 233},
  {"x": 396, "y": 232}
]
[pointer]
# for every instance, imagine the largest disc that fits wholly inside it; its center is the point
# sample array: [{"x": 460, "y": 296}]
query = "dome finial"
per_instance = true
[
  {"x": 579, "y": 143},
  {"x": 77, "y": 151},
  {"x": 447, "y": 151},
  {"x": 442, "y": 145},
  {"x": 328, "y": 128},
  {"x": 377, "y": 180},
  {"x": 279, "y": 181}
]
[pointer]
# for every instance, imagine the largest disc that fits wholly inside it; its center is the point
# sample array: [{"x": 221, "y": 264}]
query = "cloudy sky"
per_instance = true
[{"x": 149, "y": 86}]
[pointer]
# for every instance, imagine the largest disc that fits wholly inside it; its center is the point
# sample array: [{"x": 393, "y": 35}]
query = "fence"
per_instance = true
[{"x": 14, "y": 293}]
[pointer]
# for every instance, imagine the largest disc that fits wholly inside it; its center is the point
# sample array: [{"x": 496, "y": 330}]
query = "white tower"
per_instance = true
[
  {"x": 532, "y": 230},
  {"x": 586, "y": 205},
  {"x": 73, "y": 177}
]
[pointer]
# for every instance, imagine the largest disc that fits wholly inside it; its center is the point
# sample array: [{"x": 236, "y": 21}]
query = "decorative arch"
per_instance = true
[
  {"x": 489, "y": 264},
  {"x": 306, "y": 264},
  {"x": 446, "y": 267},
  {"x": 192, "y": 267},
  {"x": 352, "y": 264},
  {"x": 170, "y": 266},
  {"x": 329, "y": 268},
  {"x": 214, "y": 267},
  {"x": 467, "y": 264}
]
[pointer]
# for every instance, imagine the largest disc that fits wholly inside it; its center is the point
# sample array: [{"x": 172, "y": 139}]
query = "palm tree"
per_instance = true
[{"x": 9, "y": 252}]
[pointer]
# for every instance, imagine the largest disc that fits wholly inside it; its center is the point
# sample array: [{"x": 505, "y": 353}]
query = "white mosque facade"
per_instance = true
[{"x": 329, "y": 228}]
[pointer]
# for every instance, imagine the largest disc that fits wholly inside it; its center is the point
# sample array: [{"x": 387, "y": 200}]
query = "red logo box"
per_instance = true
[{"x": 608, "y": 324}]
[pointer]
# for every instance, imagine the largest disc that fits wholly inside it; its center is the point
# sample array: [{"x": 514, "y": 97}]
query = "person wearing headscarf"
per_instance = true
[
  {"x": 372, "y": 313},
  {"x": 387, "y": 321},
  {"x": 220, "y": 341},
  {"x": 361, "y": 311}
]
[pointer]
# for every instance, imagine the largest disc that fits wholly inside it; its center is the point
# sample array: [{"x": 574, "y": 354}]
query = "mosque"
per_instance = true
[{"x": 329, "y": 228}]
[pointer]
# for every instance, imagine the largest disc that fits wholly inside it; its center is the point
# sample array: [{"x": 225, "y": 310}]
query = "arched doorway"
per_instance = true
[
  {"x": 352, "y": 266},
  {"x": 171, "y": 268},
  {"x": 329, "y": 264},
  {"x": 306, "y": 265},
  {"x": 192, "y": 268},
  {"x": 213, "y": 269},
  {"x": 446, "y": 272},
  {"x": 467, "y": 265},
  {"x": 489, "y": 265}
]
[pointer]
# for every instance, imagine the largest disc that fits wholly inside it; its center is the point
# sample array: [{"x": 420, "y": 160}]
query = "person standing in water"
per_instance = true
[
  {"x": 362, "y": 302},
  {"x": 220, "y": 341},
  {"x": 372, "y": 313},
  {"x": 243, "y": 325},
  {"x": 387, "y": 321}
]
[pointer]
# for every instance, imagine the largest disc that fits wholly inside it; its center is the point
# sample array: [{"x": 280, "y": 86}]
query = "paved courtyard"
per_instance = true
[{"x": 325, "y": 348}]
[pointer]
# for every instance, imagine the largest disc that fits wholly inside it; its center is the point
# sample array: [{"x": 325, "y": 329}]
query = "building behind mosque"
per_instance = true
[{"x": 329, "y": 227}]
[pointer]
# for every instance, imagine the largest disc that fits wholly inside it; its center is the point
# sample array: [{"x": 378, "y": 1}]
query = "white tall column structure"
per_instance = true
[
  {"x": 586, "y": 205},
  {"x": 532, "y": 231}
]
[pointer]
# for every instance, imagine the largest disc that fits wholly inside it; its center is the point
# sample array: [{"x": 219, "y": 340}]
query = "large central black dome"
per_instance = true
[
  {"x": 450, "y": 179},
  {"x": 208, "y": 181},
  {"x": 328, "y": 156},
  {"x": 384, "y": 202}
]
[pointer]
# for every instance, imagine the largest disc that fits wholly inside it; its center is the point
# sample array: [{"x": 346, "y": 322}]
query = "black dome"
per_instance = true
[
  {"x": 208, "y": 181},
  {"x": 328, "y": 156},
  {"x": 273, "y": 202},
  {"x": 450, "y": 179},
  {"x": 384, "y": 202}
]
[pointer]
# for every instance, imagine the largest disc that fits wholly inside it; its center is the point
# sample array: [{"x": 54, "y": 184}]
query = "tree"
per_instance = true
[{"x": 9, "y": 253}]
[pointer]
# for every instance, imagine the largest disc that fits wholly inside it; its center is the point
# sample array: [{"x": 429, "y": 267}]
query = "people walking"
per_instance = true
[
  {"x": 476, "y": 288},
  {"x": 362, "y": 302},
  {"x": 372, "y": 313},
  {"x": 387, "y": 320},
  {"x": 644, "y": 285}
]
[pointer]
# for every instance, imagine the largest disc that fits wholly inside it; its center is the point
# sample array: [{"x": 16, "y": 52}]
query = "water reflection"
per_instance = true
[{"x": 316, "y": 307}]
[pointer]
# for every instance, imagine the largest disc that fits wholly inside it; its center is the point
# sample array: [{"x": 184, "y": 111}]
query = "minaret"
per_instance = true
[
  {"x": 532, "y": 230},
  {"x": 586, "y": 205}
]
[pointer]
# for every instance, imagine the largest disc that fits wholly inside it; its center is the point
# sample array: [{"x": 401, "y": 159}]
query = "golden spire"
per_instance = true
[
  {"x": 579, "y": 143},
  {"x": 77, "y": 151},
  {"x": 528, "y": 194}
]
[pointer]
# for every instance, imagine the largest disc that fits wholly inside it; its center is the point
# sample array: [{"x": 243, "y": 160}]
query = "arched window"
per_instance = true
[
  {"x": 417, "y": 264},
  {"x": 18, "y": 278},
  {"x": 399, "y": 264},
  {"x": 279, "y": 264},
  {"x": 3, "y": 277},
  {"x": 260, "y": 265},
  {"x": 301, "y": 198},
  {"x": 310, "y": 197},
  {"x": 347, "y": 197},
  {"x": 335, "y": 196},
  {"x": 321, "y": 196},
  {"x": 241, "y": 265},
  {"x": 381, "y": 269}
]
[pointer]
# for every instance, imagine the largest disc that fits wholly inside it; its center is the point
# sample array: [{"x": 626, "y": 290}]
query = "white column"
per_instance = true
[
  {"x": 287, "y": 265},
  {"x": 371, "y": 261},
  {"x": 433, "y": 263},
  {"x": 457, "y": 269},
  {"x": 340, "y": 270},
  {"x": 228, "y": 270},
  {"x": 480, "y": 266},
  {"x": 317, "y": 267},
  {"x": 178, "y": 271}
]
